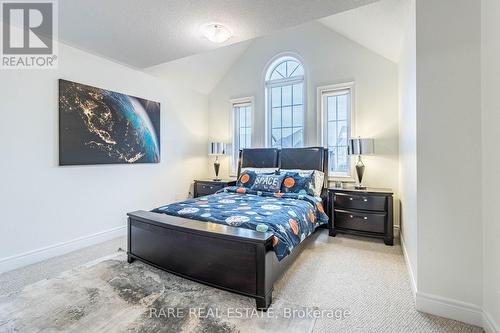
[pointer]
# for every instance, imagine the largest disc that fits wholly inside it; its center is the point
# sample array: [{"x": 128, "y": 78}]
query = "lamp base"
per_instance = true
[
  {"x": 360, "y": 170},
  {"x": 216, "y": 168}
]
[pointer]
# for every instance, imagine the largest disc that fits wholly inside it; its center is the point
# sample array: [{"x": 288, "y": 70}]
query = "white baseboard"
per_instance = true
[
  {"x": 489, "y": 324},
  {"x": 31, "y": 257},
  {"x": 397, "y": 232},
  {"x": 413, "y": 281},
  {"x": 449, "y": 308},
  {"x": 445, "y": 307}
]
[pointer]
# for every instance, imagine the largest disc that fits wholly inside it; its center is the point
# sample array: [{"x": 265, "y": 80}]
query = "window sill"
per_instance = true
[{"x": 346, "y": 179}]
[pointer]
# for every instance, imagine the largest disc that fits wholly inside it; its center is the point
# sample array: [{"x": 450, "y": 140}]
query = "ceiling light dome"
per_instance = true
[{"x": 216, "y": 32}]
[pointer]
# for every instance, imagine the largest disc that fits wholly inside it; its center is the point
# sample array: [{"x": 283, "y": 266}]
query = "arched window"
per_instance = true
[{"x": 285, "y": 103}]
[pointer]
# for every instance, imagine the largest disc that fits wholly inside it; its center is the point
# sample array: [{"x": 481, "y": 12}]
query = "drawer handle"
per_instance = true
[
  {"x": 358, "y": 217},
  {"x": 364, "y": 199}
]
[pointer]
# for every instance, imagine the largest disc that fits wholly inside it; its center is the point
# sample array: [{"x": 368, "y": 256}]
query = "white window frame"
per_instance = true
[
  {"x": 269, "y": 84},
  {"x": 238, "y": 102},
  {"x": 332, "y": 90}
]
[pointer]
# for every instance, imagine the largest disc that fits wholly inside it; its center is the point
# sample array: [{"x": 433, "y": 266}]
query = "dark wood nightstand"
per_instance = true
[
  {"x": 209, "y": 186},
  {"x": 366, "y": 212}
]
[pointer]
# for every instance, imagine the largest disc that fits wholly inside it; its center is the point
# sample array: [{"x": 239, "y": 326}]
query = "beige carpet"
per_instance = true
[
  {"x": 364, "y": 281},
  {"x": 365, "y": 277}
]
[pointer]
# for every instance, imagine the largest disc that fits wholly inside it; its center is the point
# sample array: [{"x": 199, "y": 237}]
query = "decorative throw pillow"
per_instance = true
[
  {"x": 317, "y": 180},
  {"x": 246, "y": 179},
  {"x": 297, "y": 183},
  {"x": 268, "y": 183}
]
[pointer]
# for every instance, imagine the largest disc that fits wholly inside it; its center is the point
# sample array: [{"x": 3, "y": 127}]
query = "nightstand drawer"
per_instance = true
[
  {"x": 206, "y": 189},
  {"x": 361, "y": 221},
  {"x": 360, "y": 201}
]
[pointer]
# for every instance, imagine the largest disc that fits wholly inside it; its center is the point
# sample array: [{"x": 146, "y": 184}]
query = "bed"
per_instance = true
[{"x": 197, "y": 246}]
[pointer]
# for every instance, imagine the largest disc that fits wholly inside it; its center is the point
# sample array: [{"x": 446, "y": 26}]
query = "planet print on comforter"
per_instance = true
[{"x": 291, "y": 217}]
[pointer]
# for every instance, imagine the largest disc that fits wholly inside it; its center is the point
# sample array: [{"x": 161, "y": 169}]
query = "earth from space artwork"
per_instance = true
[{"x": 98, "y": 126}]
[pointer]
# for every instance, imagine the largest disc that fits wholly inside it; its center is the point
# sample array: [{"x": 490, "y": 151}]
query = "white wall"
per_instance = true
[
  {"x": 408, "y": 145},
  {"x": 328, "y": 58},
  {"x": 449, "y": 158},
  {"x": 491, "y": 159},
  {"x": 43, "y": 204}
]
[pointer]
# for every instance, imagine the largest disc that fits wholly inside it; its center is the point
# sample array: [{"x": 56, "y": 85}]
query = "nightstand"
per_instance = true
[
  {"x": 209, "y": 186},
  {"x": 367, "y": 212}
]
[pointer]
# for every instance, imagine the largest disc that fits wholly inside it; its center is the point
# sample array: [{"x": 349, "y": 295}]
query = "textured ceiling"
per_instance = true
[
  {"x": 200, "y": 72},
  {"x": 365, "y": 25},
  {"x": 379, "y": 26},
  {"x": 149, "y": 32}
]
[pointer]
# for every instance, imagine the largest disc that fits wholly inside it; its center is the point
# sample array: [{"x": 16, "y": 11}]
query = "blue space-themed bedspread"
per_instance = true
[{"x": 291, "y": 217}]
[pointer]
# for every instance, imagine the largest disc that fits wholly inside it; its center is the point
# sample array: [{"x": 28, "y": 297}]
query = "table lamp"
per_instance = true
[
  {"x": 217, "y": 149},
  {"x": 359, "y": 146}
]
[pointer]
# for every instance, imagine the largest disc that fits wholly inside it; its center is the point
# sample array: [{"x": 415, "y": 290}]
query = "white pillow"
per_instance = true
[
  {"x": 260, "y": 170},
  {"x": 318, "y": 178}
]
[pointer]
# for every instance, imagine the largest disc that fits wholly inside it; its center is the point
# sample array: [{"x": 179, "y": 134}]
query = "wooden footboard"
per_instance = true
[
  {"x": 234, "y": 259},
  {"x": 229, "y": 258}
]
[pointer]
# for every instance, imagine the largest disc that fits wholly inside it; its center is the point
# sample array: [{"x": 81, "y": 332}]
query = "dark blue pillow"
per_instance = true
[
  {"x": 246, "y": 179},
  {"x": 293, "y": 182},
  {"x": 268, "y": 182}
]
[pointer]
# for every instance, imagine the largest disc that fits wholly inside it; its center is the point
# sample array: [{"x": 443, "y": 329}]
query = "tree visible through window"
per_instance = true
[{"x": 285, "y": 103}]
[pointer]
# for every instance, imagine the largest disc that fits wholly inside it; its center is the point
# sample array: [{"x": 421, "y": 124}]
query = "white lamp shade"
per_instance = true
[
  {"x": 359, "y": 146},
  {"x": 217, "y": 148}
]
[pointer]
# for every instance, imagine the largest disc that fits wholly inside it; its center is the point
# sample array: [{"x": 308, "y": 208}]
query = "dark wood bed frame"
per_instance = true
[{"x": 230, "y": 258}]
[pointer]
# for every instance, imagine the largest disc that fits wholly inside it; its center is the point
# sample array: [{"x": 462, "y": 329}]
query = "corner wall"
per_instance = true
[
  {"x": 408, "y": 147},
  {"x": 491, "y": 161},
  {"x": 448, "y": 37},
  {"x": 48, "y": 210}
]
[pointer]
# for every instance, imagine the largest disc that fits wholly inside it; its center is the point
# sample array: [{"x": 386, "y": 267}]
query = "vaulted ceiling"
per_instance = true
[
  {"x": 150, "y": 32},
  {"x": 379, "y": 26},
  {"x": 200, "y": 72},
  {"x": 162, "y": 37}
]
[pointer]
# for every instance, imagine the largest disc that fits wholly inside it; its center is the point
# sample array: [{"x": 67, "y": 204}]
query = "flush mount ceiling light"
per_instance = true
[{"x": 216, "y": 32}]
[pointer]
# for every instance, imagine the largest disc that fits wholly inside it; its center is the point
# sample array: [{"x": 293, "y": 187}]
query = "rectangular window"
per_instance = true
[
  {"x": 336, "y": 108},
  {"x": 242, "y": 129},
  {"x": 286, "y": 113}
]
